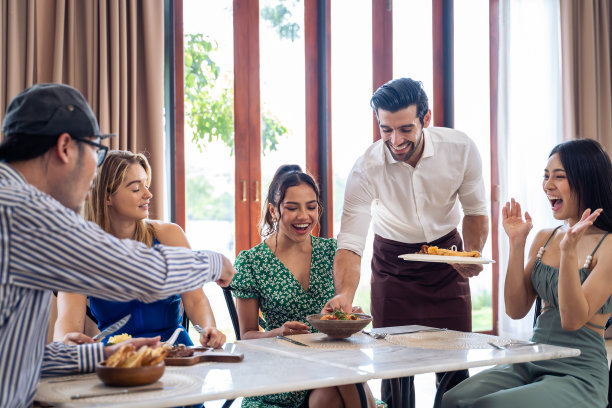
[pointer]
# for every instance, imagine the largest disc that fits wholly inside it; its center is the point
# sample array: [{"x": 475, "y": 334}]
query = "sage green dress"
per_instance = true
[{"x": 261, "y": 275}]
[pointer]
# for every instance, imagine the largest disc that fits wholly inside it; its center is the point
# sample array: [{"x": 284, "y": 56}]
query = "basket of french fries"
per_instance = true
[{"x": 128, "y": 366}]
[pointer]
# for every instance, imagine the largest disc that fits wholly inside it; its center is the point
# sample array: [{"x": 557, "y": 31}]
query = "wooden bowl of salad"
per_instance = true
[{"x": 339, "y": 325}]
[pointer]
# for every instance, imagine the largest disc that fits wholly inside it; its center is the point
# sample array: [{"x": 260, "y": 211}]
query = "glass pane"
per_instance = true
[
  {"x": 282, "y": 73},
  {"x": 533, "y": 34},
  {"x": 412, "y": 43},
  {"x": 209, "y": 137},
  {"x": 472, "y": 117},
  {"x": 351, "y": 59}
]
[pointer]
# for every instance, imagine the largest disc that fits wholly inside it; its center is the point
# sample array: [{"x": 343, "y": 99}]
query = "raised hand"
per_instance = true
[
  {"x": 512, "y": 219},
  {"x": 576, "y": 231}
]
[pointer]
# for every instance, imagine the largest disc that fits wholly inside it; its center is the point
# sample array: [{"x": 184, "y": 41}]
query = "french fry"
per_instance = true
[
  {"x": 147, "y": 357},
  {"x": 127, "y": 356},
  {"x": 120, "y": 356},
  {"x": 135, "y": 359},
  {"x": 158, "y": 355}
]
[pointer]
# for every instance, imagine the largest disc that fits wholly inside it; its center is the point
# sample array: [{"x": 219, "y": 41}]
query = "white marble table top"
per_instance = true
[{"x": 271, "y": 365}]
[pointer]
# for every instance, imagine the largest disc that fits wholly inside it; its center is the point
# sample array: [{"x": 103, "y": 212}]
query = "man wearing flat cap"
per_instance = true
[{"x": 48, "y": 160}]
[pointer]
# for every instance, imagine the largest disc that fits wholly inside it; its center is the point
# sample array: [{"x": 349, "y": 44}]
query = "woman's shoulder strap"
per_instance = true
[
  {"x": 552, "y": 234},
  {"x": 599, "y": 243}
]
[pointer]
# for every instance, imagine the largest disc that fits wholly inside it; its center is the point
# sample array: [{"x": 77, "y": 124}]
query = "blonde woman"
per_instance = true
[{"x": 119, "y": 203}]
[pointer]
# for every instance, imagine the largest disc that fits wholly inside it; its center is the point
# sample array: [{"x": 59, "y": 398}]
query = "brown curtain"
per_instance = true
[
  {"x": 586, "y": 39},
  {"x": 110, "y": 50}
]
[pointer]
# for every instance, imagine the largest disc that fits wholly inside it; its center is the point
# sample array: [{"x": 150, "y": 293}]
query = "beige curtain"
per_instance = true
[
  {"x": 586, "y": 39},
  {"x": 111, "y": 50}
]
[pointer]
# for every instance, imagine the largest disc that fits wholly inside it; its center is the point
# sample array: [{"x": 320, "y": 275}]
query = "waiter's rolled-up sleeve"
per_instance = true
[
  {"x": 356, "y": 211},
  {"x": 472, "y": 190}
]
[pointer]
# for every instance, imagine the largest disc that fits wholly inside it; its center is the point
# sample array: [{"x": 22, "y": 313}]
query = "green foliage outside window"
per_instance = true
[{"x": 209, "y": 106}]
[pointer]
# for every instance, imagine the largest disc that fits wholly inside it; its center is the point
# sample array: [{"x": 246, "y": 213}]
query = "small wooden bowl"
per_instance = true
[
  {"x": 339, "y": 329},
  {"x": 125, "y": 377}
]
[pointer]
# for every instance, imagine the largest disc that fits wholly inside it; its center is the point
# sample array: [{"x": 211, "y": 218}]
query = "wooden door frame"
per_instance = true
[
  {"x": 382, "y": 50},
  {"x": 247, "y": 123},
  {"x": 495, "y": 199},
  {"x": 317, "y": 41}
]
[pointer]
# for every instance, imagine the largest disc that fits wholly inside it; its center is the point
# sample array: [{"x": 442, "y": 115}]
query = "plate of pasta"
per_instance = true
[{"x": 452, "y": 255}]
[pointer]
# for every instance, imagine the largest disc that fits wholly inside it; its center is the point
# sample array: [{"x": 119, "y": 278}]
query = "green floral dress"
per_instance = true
[{"x": 261, "y": 275}]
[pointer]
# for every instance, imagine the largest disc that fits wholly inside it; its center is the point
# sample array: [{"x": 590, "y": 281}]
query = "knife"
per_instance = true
[
  {"x": 433, "y": 329},
  {"x": 122, "y": 392},
  {"x": 112, "y": 328},
  {"x": 292, "y": 341}
]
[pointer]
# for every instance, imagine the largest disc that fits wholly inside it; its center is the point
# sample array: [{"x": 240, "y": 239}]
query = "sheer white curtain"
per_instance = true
[{"x": 529, "y": 120}]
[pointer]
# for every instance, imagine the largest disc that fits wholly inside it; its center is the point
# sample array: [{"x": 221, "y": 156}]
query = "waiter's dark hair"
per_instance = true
[
  {"x": 18, "y": 147},
  {"x": 287, "y": 175},
  {"x": 399, "y": 94},
  {"x": 589, "y": 174}
]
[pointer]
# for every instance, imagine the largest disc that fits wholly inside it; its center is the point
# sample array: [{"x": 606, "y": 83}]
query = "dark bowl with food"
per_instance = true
[
  {"x": 129, "y": 376},
  {"x": 340, "y": 328}
]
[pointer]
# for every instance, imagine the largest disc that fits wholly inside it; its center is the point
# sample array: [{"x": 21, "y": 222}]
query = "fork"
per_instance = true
[
  {"x": 199, "y": 329},
  {"x": 512, "y": 343},
  {"x": 377, "y": 336},
  {"x": 496, "y": 346},
  {"x": 381, "y": 335}
]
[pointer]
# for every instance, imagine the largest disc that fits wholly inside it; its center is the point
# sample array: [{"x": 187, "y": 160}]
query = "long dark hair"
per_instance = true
[
  {"x": 399, "y": 94},
  {"x": 287, "y": 175},
  {"x": 589, "y": 174}
]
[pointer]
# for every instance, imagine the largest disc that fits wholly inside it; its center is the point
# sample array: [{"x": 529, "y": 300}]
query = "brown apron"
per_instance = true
[{"x": 424, "y": 293}]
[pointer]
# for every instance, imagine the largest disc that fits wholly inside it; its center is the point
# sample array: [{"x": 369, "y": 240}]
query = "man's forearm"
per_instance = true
[
  {"x": 347, "y": 271},
  {"x": 475, "y": 231}
]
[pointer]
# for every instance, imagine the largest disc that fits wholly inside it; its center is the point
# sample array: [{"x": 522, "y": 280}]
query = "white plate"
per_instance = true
[{"x": 445, "y": 259}]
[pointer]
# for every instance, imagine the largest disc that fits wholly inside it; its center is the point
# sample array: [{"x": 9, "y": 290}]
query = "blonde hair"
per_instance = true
[{"x": 110, "y": 176}]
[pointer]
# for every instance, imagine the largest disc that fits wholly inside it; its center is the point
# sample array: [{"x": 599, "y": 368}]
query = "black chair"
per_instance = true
[
  {"x": 231, "y": 307},
  {"x": 538, "y": 310}
]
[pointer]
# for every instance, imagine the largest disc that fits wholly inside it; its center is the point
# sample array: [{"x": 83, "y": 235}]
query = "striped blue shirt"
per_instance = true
[{"x": 43, "y": 247}]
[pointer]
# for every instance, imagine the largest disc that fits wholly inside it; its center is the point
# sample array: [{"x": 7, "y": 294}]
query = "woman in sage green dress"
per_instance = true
[
  {"x": 287, "y": 277},
  {"x": 570, "y": 268}
]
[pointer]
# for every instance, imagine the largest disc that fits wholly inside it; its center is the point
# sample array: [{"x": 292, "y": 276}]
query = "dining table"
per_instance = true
[{"x": 274, "y": 365}]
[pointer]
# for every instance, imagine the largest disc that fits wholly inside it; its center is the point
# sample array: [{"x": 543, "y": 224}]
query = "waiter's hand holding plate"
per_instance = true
[{"x": 467, "y": 270}]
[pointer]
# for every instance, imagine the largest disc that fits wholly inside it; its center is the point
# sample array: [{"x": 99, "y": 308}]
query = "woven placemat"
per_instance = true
[
  {"x": 322, "y": 341},
  {"x": 61, "y": 391},
  {"x": 448, "y": 340}
]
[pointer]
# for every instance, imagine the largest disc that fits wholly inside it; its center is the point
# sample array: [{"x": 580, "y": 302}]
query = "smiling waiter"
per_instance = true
[{"x": 412, "y": 185}]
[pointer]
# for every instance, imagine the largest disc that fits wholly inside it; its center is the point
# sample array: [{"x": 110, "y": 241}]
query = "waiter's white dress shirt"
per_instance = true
[{"x": 413, "y": 204}]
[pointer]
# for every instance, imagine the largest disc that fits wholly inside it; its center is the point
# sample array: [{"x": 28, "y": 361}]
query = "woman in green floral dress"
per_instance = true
[{"x": 288, "y": 277}]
